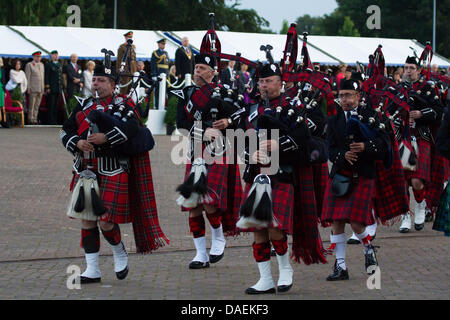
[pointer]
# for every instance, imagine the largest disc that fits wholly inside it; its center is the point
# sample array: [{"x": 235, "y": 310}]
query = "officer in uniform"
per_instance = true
[
  {"x": 130, "y": 64},
  {"x": 159, "y": 64},
  {"x": 53, "y": 86}
]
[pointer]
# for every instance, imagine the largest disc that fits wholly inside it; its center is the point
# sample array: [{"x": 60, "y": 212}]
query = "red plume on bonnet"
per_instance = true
[
  {"x": 378, "y": 62},
  {"x": 305, "y": 54},
  {"x": 426, "y": 57},
  {"x": 211, "y": 43},
  {"x": 290, "y": 50}
]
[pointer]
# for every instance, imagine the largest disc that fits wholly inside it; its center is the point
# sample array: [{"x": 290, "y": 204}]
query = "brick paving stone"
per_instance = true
[{"x": 38, "y": 242}]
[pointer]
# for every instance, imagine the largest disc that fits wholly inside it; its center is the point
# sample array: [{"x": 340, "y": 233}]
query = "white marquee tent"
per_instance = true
[{"x": 20, "y": 41}]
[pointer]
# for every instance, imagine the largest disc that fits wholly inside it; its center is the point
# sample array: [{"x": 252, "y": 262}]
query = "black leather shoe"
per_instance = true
[
  {"x": 215, "y": 258},
  {"x": 254, "y": 291},
  {"x": 198, "y": 265},
  {"x": 371, "y": 262},
  {"x": 338, "y": 273},
  {"x": 353, "y": 241},
  {"x": 281, "y": 289},
  {"x": 419, "y": 227},
  {"x": 85, "y": 280},
  {"x": 428, "y": 216},
  {"x": 122, "y": 274}
]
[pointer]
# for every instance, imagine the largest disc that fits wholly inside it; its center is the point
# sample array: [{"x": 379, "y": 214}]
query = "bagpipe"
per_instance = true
[
  {"x": 393, "y": 103},
  {"x": 120, "y": 112},
  {"x": 222, "y": 103},
  {"x": 290, "y": 118},
  {"x": 85, "y": 202}
]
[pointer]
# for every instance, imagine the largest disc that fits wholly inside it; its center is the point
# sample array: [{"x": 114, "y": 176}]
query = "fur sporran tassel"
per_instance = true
[
  {"x": 79, "y": 205},
  {"x": 195, "y": 186},
  {"x": 97, "y": 204},
  {"x": 256, "y": 212}
]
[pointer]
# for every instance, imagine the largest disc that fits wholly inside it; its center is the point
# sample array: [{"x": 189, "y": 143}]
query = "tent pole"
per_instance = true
[
  {"x": 115, "y": 14},
  {"x": 434, "y": 25}
]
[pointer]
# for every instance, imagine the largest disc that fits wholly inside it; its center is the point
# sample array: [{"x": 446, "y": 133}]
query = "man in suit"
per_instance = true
[
  {"x": 34, "y": 71},
  {"x": 159, "y": 64},
  {"x": 227, "y": 74},
  {"x": 75, "y": 80},
  {"x": 130, "y": 63},
  {"x": 184, "y": 60},
  {"x": 53, "y": 86}
]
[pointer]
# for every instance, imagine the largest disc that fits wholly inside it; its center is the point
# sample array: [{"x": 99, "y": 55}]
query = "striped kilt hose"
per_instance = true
[
  {"x": 353, "y": 207},
  {"x": 114, "y": 194},
  {"x": 282, "y": 206},
  {"x": 423, "y": 168},
  {"x": 217, "y": 183}
]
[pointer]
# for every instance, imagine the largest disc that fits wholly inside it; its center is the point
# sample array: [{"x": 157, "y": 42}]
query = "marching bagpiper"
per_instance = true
[
  {"x": 219, "y": 182},
  {"x": 354, "y": 147},
  {"x": 111, "y": 184},
  {"x": 282, "y": 203},
  {"x": 426, "y": 113}
]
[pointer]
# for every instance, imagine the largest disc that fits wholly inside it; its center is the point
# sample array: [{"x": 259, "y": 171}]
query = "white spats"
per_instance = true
[
  {"x": 286, "y": 271},
  {"x": 92, "y": 270},
  {"x": 265, "y": 281},
  {"x": 419, "y": 212},
  {"x": 339, "y": 250},
  {"x": 406, "y": 223},
  {"x": 120, "y": 257},
  {"x": 218, "y": 241},
  {"x": 200, "y": 246}
]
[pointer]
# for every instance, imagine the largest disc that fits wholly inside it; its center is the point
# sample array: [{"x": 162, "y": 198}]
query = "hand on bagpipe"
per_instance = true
[
  {"x": 119, "y": 121},
  {"x": 224, "y": 104}
]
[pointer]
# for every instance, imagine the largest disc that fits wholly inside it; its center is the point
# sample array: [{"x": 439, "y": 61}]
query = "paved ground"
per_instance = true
[{"x": 38, "y": 242}]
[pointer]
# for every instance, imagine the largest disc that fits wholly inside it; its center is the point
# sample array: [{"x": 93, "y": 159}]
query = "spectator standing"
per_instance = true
[
  {"x": 18, "y": 76},
  {"x": 34, "y": 72},
  {"x": 184, "y": 60},
  {"x": 87, "y": 76},
  {"x": 53, "y": 86},
  {"x": 159, "y": 64},
  {"x": 227, "y": 74},
  {"x": 75, "y": 80},
  {"x": 341, "y": 74},
  {"x": 130, "y": 63}
]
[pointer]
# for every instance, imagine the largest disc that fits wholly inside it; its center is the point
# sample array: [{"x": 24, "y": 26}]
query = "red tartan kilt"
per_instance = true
[
  {"x": 217, "y": 178},
  {"x": 423, "y": 168},
  {"x": 283, "y": 206},
  {"x": 320, "y": 177},
  {"x": 114, "y": 194},
  {"x": 439, "y": 174},
  {"x": 354, "y": 207}
]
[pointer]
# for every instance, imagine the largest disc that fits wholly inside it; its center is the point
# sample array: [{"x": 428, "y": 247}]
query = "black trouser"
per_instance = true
[{"x": 52, "y": 107}]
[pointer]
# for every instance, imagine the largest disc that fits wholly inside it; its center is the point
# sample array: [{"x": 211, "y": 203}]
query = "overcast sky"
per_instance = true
[{"x": 275, "y": 11}]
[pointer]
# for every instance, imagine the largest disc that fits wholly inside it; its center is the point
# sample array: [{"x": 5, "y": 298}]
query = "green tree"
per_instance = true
[
  {"x": 285, "y": 27},
  {"x": 348, "y": 28},
  {"x": 312, "y": 25},
  {"x": 403, "y": 19}
]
